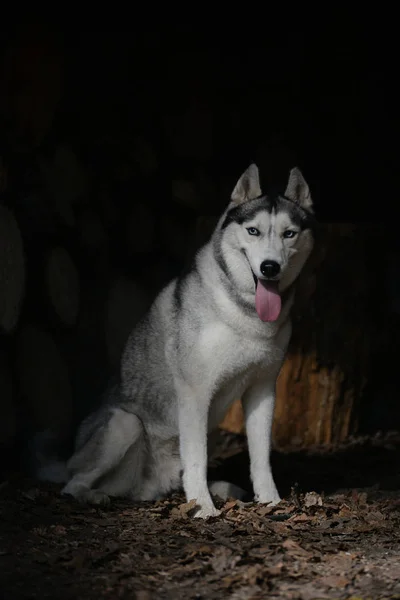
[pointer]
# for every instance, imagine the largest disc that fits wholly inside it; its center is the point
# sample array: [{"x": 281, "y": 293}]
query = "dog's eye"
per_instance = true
[
  {"x": 289, "y": 234},
  {"x": 253, "y": 231}
]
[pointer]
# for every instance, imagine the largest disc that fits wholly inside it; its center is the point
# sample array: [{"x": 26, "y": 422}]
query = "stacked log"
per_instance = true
[{"x": 93, "y": 222}]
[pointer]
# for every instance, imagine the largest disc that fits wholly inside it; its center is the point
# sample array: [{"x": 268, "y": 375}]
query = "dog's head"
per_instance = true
[{"x": 274, "y": 234}]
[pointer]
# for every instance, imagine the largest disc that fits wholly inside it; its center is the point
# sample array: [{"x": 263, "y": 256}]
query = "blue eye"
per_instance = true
[
  {"x": 253, "y": 231},
  {"x": 289, "y": 234}
]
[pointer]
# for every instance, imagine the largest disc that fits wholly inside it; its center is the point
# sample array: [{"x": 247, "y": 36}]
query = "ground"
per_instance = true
[{"x": 336, "y": 535}]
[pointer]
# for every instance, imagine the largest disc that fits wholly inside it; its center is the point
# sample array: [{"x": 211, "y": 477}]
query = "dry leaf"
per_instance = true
[
  {"x": 312, "y": 499},
  {"x": 334, "y": 581},
  {"x": 223, "y": 559},
  {"x": 183, "y": 510},
  {"x": 303, "y": 518},
  {"x": 275, "y": 570},
  {"x": 229, "y": 505},
  {"x": 58, "y": 529},
  {"x": 265, "y": 510},
  {"x": 143, "y": 595},
  {"x": 246, "y": 593},
  {"x": 293, "y": 547}
]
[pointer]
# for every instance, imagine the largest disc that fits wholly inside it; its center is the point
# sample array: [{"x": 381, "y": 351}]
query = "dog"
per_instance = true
[{"x": 218, "y": 332}]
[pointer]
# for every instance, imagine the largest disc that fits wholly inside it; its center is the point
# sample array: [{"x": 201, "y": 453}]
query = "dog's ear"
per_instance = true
[
  {"x": 248, "y": 186},
  {"x": 297, "y": 189}
]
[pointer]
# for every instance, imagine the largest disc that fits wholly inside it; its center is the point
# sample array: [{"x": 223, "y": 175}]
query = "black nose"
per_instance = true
[{"x": 269, "y": 268}]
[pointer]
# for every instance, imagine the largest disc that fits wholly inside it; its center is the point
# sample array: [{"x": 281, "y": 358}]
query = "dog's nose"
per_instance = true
[{"x": 270, "y": 268}]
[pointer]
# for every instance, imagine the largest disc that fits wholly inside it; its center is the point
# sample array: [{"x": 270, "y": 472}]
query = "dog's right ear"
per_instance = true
[
  {"x": 248, "y": 186},
  {"x": 297, "y": 189}
]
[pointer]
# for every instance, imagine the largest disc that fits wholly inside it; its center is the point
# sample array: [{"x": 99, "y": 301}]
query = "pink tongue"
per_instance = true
[{"x": 268, "y": 300}]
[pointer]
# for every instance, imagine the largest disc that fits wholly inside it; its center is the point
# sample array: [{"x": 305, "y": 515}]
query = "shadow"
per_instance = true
[{"x": 364, "y": 463}]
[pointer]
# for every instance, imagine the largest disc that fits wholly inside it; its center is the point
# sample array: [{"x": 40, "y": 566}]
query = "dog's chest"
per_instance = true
[
  {"x": 228, "y": 361},
  {"x": 222, "y": 349}
]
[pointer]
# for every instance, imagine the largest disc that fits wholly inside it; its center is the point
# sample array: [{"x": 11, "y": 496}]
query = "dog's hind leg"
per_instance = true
[
  {"x": 225, "y": 490},
  {"x": 101, "y": 453}
]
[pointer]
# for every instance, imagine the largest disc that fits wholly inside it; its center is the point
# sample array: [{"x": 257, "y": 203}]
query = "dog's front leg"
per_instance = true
[
  {"x": 258, "y": 406},
  {"x": 193, "y": 417}
]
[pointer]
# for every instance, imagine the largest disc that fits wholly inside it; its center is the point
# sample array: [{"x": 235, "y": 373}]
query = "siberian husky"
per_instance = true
[{"x": 217, "y": 333}]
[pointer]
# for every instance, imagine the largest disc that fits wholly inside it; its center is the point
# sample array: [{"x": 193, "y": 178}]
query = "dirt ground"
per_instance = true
[{"x": 336, "y": 535}]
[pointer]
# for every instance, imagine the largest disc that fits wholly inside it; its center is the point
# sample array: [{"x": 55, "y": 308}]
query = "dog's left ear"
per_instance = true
[
  {"x": 248, "y": 186},
  {"x": 297, "y": 189}
]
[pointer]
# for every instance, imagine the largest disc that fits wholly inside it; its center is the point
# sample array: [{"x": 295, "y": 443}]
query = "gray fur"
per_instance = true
[{"x": 200, "y": 347}]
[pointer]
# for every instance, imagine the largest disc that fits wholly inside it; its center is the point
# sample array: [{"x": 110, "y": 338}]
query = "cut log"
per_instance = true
[
  {"x": 327, "y": 366},
  {"x": 127, "y": 304},
  {"x": 43, "y": 381},
  {"x": 8, "y": 417},
  {"x": 12, "y": 271},
  {"x": 62, "y": 286}
]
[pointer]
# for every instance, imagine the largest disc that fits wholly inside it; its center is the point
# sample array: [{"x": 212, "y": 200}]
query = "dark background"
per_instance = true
[
  {"x": 316, "y": 92},
  {"x": 319, "y": 92}
]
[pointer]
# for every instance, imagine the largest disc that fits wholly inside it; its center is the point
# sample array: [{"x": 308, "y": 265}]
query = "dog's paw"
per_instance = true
[
  {"x": 270, "y": 499},
  {"x": 86, "y": 495},
  {"x": 97, "y": 498},
  {"x": 205, "y": 512}
]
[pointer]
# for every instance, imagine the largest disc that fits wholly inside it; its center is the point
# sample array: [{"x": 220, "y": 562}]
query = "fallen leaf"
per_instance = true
[
  {"x": 334, "y": 581},
  {"x": 183, "y": 510},
  {"x": 293, "y": 547},
  {"x": 143, "y": 595},
  {"x": 58, "y": 529},
  {"x": 246, "y": 593},
  {"x": 264, "y": 510},
  {"x": 252, "y": 573},
  {"x": 223, "y": 559},
  {"x": 275, "y": 570},
  {"x": 312, "y": 499},
  {"x": 229, "y": 505},
  {"x": 303, "y": 518}
]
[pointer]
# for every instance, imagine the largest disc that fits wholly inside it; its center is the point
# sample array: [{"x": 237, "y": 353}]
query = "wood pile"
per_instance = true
[{"x": 91, "y": 228}]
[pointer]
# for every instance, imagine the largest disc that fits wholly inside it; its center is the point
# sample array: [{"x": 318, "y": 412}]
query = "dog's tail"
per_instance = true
[
  {"x": 54, "y": 471},
  {"x": 46, "y": 460}
]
